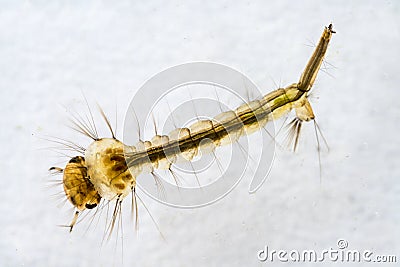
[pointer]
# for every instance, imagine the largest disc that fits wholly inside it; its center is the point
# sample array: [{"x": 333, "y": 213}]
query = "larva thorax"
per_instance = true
[{"x": 107, "y": 168}]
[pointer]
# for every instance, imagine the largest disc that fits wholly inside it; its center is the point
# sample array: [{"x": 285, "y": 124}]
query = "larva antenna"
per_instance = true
[{"x": 73, "y": 222}]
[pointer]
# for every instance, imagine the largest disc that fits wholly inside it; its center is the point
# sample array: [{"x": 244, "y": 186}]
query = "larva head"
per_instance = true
[
  {"x": 108, "y": 170},
  {"x": 77, "y": 186}
]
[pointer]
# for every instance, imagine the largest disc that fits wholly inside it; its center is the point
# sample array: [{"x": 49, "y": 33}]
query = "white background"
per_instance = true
[{"x": 52, "y": 51}]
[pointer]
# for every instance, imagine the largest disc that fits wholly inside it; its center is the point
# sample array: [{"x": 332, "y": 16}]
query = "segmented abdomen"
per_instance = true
[{"x": 205, "y": 135}]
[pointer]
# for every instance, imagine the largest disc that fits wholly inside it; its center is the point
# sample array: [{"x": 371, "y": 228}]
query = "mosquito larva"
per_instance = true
[{"x": 107, "y": 172}]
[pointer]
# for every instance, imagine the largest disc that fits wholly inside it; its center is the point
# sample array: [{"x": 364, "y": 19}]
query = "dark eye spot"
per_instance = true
[
  {"x": 90, "y": 206},
  {"x": 76, "y": 159}
]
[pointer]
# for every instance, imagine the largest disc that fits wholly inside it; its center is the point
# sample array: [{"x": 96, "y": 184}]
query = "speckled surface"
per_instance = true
[{"x": 51, "y": 52}]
